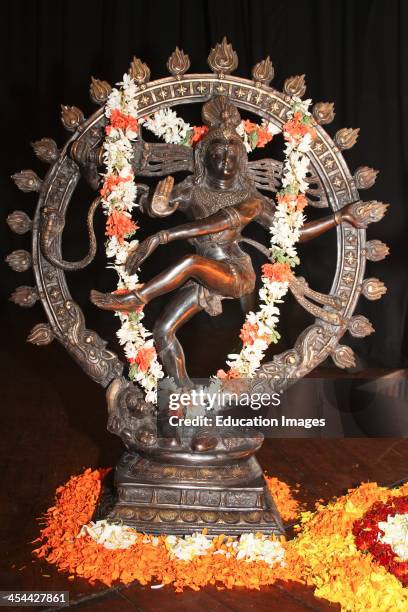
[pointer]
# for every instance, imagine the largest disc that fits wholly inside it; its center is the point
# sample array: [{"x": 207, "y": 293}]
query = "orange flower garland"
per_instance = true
[
  {"x": 299, "y": 131},
  {"x": 144, "y": 357},
  {"x": 174, "y": 130},
  {"x": 119, "y": 199},
  {"x": 277, "y": 272},
  {"x": 120, "y": 224},
  {"x": 121, "y": 121},
  {"x": 293, "y": 202},
  {"x": 198, "y": 133},
  {"x": 258, "y": 135},
  {"x": 249, "y": 332},
  {"x": 111, "y": 182},
  {"x": 298, "y": 126}
]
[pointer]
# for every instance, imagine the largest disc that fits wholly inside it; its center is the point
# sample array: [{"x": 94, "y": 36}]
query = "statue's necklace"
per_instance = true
[{"x": 207, "y": 201}]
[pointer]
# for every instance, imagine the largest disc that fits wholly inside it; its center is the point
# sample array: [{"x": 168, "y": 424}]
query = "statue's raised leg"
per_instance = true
[{"x": 213, "y": 274}]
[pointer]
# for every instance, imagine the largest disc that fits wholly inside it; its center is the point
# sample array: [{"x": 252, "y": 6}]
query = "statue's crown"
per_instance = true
[{"x": 221, "y": 113}]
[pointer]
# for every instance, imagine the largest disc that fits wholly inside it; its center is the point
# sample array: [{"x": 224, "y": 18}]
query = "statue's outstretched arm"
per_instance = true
[
  {"x": 228, "y": 218},
  {"x": 312, "y": 229}
]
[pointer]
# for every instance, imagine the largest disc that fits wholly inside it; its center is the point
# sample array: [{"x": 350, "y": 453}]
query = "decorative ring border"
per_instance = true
[{"x": 317, "y": 341}]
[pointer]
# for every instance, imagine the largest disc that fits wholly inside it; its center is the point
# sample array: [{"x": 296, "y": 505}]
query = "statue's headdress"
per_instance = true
[{"x": 222, "y": 118}]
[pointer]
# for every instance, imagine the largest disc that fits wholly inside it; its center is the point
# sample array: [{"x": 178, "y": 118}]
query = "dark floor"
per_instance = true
[{"x": 53, "y": 426}]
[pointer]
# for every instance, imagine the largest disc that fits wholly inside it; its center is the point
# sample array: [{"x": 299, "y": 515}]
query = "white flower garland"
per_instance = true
[
  {"x": 119, "y": 193},
  {"x": 166, "y": 124},
  {"x": 118, "y": 196},
  {"x": 259, "y": 329},
  {"x": 109, "y": 535},
  {"x": 247, "y": 547}
]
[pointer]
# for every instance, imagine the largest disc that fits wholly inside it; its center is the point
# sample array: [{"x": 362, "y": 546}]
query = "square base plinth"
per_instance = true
[{"x": 168, "y": 499}]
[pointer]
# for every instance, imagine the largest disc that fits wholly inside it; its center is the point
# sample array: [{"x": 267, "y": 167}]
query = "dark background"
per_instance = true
[
  {"x": 52, "y": 417},
  {"x": 353, "y": 53}
]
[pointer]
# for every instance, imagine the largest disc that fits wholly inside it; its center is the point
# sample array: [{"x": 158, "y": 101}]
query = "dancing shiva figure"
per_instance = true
[{"x": 220, "y": 199}]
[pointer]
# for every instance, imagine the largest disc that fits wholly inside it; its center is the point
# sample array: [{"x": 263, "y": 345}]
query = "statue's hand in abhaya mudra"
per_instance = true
[{"x": 161, "y": 206}]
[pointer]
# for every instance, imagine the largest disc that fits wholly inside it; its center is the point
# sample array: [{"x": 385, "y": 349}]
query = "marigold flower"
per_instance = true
[
  {"x": 198, "y": 132},
  {"x": 323, "y": 555},
  {"x": 263, "y": 137},
  {"x": 144, "y": 358},
  {"x": 120, "y": 225},
  {"x": 295, "y": 129},
  {"x": 249, "y": 126},
  {"x": 231, "y": 374},
  {"x": 111, "y": 182},
  {"x": 293, "y": 202},
  {"x": 288, "y": 507},
  {"x": 151, "y": 558},
  {"x": 120, "y": 121},
  {"x": 249, "y": 332},
  {"x": 277, "y": 272}
]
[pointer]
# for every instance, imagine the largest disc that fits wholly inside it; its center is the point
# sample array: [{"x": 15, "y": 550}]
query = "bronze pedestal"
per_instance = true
[{"x": 184, "y": 498}]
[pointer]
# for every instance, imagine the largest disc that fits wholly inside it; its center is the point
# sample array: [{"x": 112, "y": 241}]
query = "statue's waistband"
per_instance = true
[{"x": 220, "y": 250}]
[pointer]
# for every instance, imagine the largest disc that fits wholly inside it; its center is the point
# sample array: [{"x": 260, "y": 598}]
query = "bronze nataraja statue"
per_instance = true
[
  {"x": 206, "y": 481},
  {"x": 221, "y": 199}
]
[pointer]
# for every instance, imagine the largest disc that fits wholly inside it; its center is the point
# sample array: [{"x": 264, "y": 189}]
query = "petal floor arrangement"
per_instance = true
[{"x": 347, "y": 550}]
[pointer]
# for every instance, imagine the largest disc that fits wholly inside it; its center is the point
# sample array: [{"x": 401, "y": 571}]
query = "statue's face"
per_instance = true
[{"x": 222, "y": 158}]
